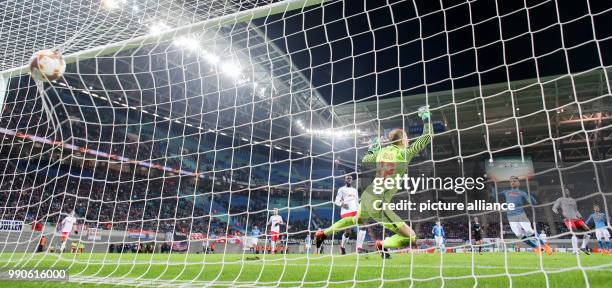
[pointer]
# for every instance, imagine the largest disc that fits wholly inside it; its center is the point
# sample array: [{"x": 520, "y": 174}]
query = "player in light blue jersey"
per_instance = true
[
  {"x": 519, "y": 223},
  {"x": 439, "y": 236},
  {"x": 601, "y": 229},
  {"x": 255, "y": 232}
]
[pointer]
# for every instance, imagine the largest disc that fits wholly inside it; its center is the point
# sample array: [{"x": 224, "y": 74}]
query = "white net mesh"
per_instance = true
[{"x": 180, "y": 126}]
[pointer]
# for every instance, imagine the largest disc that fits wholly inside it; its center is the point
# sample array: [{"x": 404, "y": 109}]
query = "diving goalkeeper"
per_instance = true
[{"x": 389, "y": 161}]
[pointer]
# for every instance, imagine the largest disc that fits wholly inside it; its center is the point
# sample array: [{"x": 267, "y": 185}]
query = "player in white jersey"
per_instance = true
[
  {"x": 307, "y": 243},
  {"x": 348, "y": 200},
  {"x": 65, "y": 227},
  {"x": 275, "y": 222},
  {"x": 573, "y": 220}
]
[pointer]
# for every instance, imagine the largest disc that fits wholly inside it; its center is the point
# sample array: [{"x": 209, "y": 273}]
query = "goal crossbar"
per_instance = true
[{"x": 237, "y": 17}]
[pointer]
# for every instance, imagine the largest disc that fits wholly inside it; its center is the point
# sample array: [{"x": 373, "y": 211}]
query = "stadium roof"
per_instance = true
[
  {"x": 306, "y": 74},
  {"x": 487, "y": 112}
]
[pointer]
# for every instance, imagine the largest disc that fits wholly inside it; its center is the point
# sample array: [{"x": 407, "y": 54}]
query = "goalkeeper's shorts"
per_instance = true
[{"x": 388, "y": 218}]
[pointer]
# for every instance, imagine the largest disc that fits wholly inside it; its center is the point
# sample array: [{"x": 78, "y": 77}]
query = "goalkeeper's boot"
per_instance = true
[
  {"x": 547, "y": 249},
  {"x": 342, "y": 250},
  {"x": 319, "y": 238},
  {"x": 383, "y": 251},
  {"x": 585, "y": 251}
]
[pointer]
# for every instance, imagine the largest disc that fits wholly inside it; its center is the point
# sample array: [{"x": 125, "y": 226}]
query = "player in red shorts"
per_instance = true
[
  {"x": 573, "y": 220},
  {"x": 275, "y": 222},
  {"x": 65, "y": 227}
]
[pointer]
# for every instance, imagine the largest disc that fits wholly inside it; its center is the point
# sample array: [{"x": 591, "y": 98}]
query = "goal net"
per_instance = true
[{"x": 204, "y": 142}]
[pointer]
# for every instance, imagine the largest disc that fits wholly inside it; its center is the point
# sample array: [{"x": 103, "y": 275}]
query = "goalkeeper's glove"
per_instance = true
[
  {"x": 374, "y": 145},
  {"x": 424, "y": 112}
]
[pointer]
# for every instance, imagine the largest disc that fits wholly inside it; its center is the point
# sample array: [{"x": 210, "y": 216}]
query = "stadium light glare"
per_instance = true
[
  {"x": 188, "y": 43},
  {"x": 211, "y": 58},
  {"x": 158, "y": 28},
  {"x": 231, "y": 69},
  {"x": 328, "y": 132},
  {"x": 112, "y": 4},
  {"x": 262, "y": 91}
]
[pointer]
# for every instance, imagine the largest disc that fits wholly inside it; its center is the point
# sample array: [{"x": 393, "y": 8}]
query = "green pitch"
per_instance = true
[{"x": 420, "y": 270}]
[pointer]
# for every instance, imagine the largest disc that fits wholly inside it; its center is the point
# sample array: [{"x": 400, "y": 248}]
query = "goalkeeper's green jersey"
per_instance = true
[
  {"x": 389, "y": 161},
  {"x": 392, "y": 160}
]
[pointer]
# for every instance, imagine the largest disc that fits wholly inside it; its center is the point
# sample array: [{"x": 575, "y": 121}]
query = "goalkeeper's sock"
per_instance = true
[
  {"x": 529, "y": 242},
  {"x": 608, "y": 245},
  {"x": 360, "y": 238},
  {"x": 397, "y": 241},
  {"x": 340, "y": 225}
]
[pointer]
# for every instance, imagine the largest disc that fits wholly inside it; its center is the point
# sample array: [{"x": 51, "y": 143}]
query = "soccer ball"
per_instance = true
[{"x": 47, "y": 65}]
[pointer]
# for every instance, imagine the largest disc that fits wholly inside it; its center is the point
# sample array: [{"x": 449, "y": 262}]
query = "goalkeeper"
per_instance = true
[{"x": 389, "y": 161}]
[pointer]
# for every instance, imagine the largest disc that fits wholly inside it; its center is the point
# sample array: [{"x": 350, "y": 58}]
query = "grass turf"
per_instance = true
[{"x": 418, "y": 270}]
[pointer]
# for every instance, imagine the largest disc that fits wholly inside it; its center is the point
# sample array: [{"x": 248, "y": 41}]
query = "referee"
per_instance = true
[{"x": 477, "y": 234}]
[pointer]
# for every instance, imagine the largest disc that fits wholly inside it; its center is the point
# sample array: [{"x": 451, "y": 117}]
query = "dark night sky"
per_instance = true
[{"x": 346, "y": 54}]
